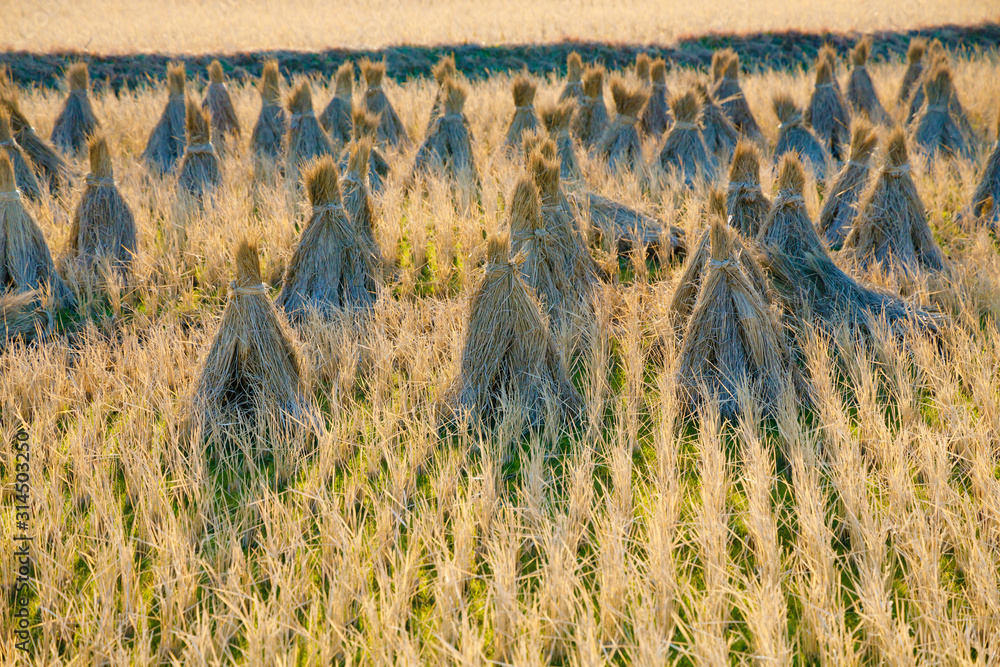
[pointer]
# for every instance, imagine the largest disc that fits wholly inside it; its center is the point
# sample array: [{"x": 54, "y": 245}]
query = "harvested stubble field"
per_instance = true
[{"x": 862, "y": 528}]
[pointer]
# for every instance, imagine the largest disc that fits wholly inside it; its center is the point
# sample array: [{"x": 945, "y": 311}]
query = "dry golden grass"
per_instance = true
[
  {"x": 867, "y": 529},
  {"x": 122, "y": 27}
]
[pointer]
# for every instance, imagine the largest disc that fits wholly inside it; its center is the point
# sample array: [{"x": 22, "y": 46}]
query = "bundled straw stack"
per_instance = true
[
  {"x": 914, "y": 72},
  {"x": 103, "y": 225},
  {"x": 656, "y": 116},
  {"x": 252, "y": 376},
  {"x": 366, "y": 129},
  {"x": 447, "y": 149},
  {"x": 23, "y": 174},
  {"x": 746, "y": 204},
  {"x": 47, "y": 162},
  {"x": 25, "y": 263},
  {"x": 732, "y": 338},
  {"x": 225, "y": 122},
  {"x": 168, "y": 139},
  {"x": 357, "y": 197},
  {"x": 556, "y": 118},
  {"x": 525, "y": 119},
  {"x": 444, "y": 70},
  {"x": 509, "y": 360},
  {"x": 986, "y": 197},
  {"x": 794, "y": 136},
  {"x": 643, "y": 62},
  {"x": 809, "y": 282},
  {"x": 827, "y": 111},
  {"x": 938, "y": 57},
  {"x": 306, "y": 139},
  {"x": 76, "y": 122},
  {"x": 860, "y": 89},
  {"x": 591, "y": 119},
  {"x": 620, "y": 146},
  {"x": 269, "y": 133},
  {"x": 390, "y": 127},
  {"x": 729, "y": 93},
  {"x": 717, "y": 130},
  {"x": 333, "y": 266},
  {"x": 935, "y": 55},
  {"x": 336, "y": 117},
  {"x": 841, "y": 205},
  {"x": 200, "y": 172},
  {"x": 935, "y": 127},
  {"x": 684, "y": 152},
  {"x": 573, "y": 90},
  {"x": 891, "y": 228}
]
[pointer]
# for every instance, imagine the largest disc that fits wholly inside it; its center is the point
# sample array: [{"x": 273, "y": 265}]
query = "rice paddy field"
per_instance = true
[{"x": 860, "y": 525}]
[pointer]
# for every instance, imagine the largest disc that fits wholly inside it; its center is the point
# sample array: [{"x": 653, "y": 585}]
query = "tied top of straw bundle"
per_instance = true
[
  {"x": 167, "y": 140},
  {"x": 684, "y": 151},
  {"x": 655, "y": 117},
  {"x": 718, "y": 131},
  {"x": 25, "y": 176},
  {"x": 443, "y": 70},
  {"x": 914, "y": 70},
  {"x": 269, "y": 131},
  {"x": 935, "y": 126},
  {"x": 592, "y": 116},
  {"x": 357, "y": 198},
  {"x": 220, "y": 105},
  {"x": 860, "y": 89},
  {"x": 643, "y": 62},
  {"x": 574, "y": 73},
  {"x": 366, "y": 127},
  {"x": 449, "y": 145},
  {"x": 45, "y": 159},
  {"x": 827, "y": 111},
  {"x": 306, "y": 139},
  {"x": 986, "y": 197},
  {"x": 556, "y": 118},
  {"x": 793, "y": 135},
  {"x": 200, "y": 172},
  {"x": 787, "y": 222},
  {"x": 620, "y": 145},
  {"x": 336, "y": 117},
  {"x": 390, "y": 127},
  {"x": 76, "y": 121},
  {"x": 729, "y": 93},
  {"x": 525, "y": 118},
  {"x": 840, "y": 207},
  {"x": 720, "y": 59},
  {"x": 746, "y": 204}
]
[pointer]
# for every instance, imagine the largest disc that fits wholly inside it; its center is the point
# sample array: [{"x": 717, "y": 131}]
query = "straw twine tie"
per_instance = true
[
  {"x": 194, "y": 149},
  {"x": 98, "y": 181},
  {"x": 790, "y": 200},
  {"x": 14, "y": 195},
  {"x": 901, "y": 170},
  {"x": 625, "y": 118},
  {"x": 684, "y": 125},
  {"x": 332, "y": 207},
  {"x": 855, "y": 163},
  {"x": 720, "y": 263},
  {"x": 744, "y": 188},
  {"x": 259, "y": 289}
]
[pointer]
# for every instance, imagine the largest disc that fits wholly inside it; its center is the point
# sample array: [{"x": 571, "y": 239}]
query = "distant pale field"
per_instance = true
[{"x": 120, "y": 26}]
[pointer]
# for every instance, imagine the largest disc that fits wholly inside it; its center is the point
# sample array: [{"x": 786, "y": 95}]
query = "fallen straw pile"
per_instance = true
[
  {"x": 390, "y": 128},
  {"x": 225, "y": 122},
  {"x": 746, "y": 204},
  {"x": 524, "y": 119},
  {"x": 333, "y": 266},
  {"x": 167, "y": 140},
  {"x": 812, "y": 286},
  {"x": 103, "y": 225},
  {"x": 306, "y": 139},
  {"x": 891, "y": 227},
  {"x": 200, "y": 172},
  {"x": 447, "y": 149},
  {"x": 860, "y": 89},
  {"x": 509, "y": 360},
  {"x": 620, "y": 146},
  {"x": 573, "y": 90},
  {"x": 729, "y": 93},
  {"x": 986, "y": 196},
  {"x": 556, "y": 118},
  {"x": 827, "y": 111},
  {"x": 717, "y": 130},
  {"x": 336, "y": 117},
  {"x": 76, "y": 122},
  {"x": 252, "y": 375},
  {"x": 366, "y": 129},
  {"x": 841, "y": 204},
  {"x": 684, "y": 151},
  {"x": 444, "y": 70},
  {"x": 22, "y": 317},
  {"x": 935, "y": 126},
  {"x": 794, "y": 136},
  {"x": 914, "y": 72},
  {"x": 626, "y": 228},
  {"x": 47, "y": 162},
  {"x": 591, "y": 120},
  {"x": 23, "y": 174},
  {"x": 269, "y": 133},
  {"x": 656, "y": 116}
]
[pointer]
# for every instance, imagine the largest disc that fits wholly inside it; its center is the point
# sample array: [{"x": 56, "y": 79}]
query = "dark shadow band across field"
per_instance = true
[{"x": 777, "y": 50}]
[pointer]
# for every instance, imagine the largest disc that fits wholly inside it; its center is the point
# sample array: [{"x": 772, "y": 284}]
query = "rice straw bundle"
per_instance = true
[
  {"x": 525, "y": 119},
  {"x": 333, "y": 266},
  {"x": 447, "y": 149},
  {"x": 76, "y": 122},
  {"x": 717, "y": 130},
  {"x": 733, "y": 338},
  {"x": 366, "y": 128},
  {"x": 684, "y": 150},
  {"x": 47, "y": 163},
  {"x": 914, "y": 71},
  {"x": 793, "y": 135},
  {"x": 827, "y": 111},
  {"x": 860, "y": 89},
  {"x": 509, "y": 359},
  {"x": 444, "y": 70},
  {"x": 336, "y": 117},
  {"x": 656, "y": 115},
  {"x": 25, "y": 261},
  {"x": 200, "y": 172},
  {"x": 269, "y": 133},
  {"x": 556, "y": 118},
  {"x": 225, "y": 122},
  {"x": 642, "y": 65},
  {"x": 306, "y": 139},
  {"x": 936, "y": 129},
  {"x": 390, "y": 127},
  {"x": 103, "y": 225},
  {"x": 891, "y": 227},
  {"x": 573, "y": 90},
  {"x": 625, "y": 227},
  {"x": 746, "y": 204},
  {"x": 357, "y": 197},
  {"x": 252, "y": 373},
  {"x": 841, "y": 205},
  {"x": 25, "y": 177},
  {"x": 935, "y": 56},
  {"x": 729, "y": 93},
  {"x": 168, "y": 139},
  {"x": 591, "y": 119},
  {"x": 620, "y": 146},
  {"x": 806, "y": 277},
  {"x": 986, "y": 197}
]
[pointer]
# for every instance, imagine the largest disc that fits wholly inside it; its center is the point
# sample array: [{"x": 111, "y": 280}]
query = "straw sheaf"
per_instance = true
[
  {"x": 718, "y": 131},
  {"x": 827, "y": 111},
  {"x": 591, "y": 119},
  {"x": 448, "y": 147},
  {"x": 686, "y": 107},
  {"x": 323, "y": 182},
  {"x": 444, "y": 69},
  {"x": 556, "y": 118},
  {"x": 306, "y": 138},
  {"x": 336, "y": 117},
  {"x": 918, "y": 45},
  {"x": 840, "y": 206},
  {"x": 269, "y": 88},
  {"x": 76, "y": 120},
  {"x": 525, "y": 118},
  {"x": 248, "y": 272},
  {"x": 619, "y": 226},
  {"x": 629, "y": 101},
  {"x": 197, "y": 124},
  {"x": 357, "y": 197},
  {"x": 684, "y": 152},
  {"x": 269, "y": 131},
  {"x": 658, "y": 71},
  {"x": 939, "y": 124},
  {"x": 27, "y": 183},
  {"x": 200, "y": 171},
  {"x": 176, "y": 79},
  {"x": 593, "y": 81},
  {"x": 574, "y": 66},
  {"x": 455, "y": 96},
  {"x": 78, "y": 78},
  {"x": 656, "y": 117},
  {"x": 746, "y": 204},
  {"x": 100, "y": 158},
  {"x": 720, "y": 57},
  {"x": 860, "y": 52},
  {"x": 44, "y": 158},
  {"x": 914, "y": 70},
  {"x": 986, "y": 196},
  {"x": 166, "y": 142},
  {"x": 860, "y": 89},
  {"x": 524, "y": 91},
  {"x": 620, "y": 146},
  {"x": 300, "y": 101},
  {"x": 732, "y": 70},
  {"x": 794, "y": 136},
  {"x": 218, "y": 103},
  {"x": 366, "y": 125},
  {"x": 373, "y": 72},
  {"x": 730, "y": 97},
  {"x": 642, "y": 66},
  {"x": 214, "y": 72},
  {"x": 390, "y": 128}
]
